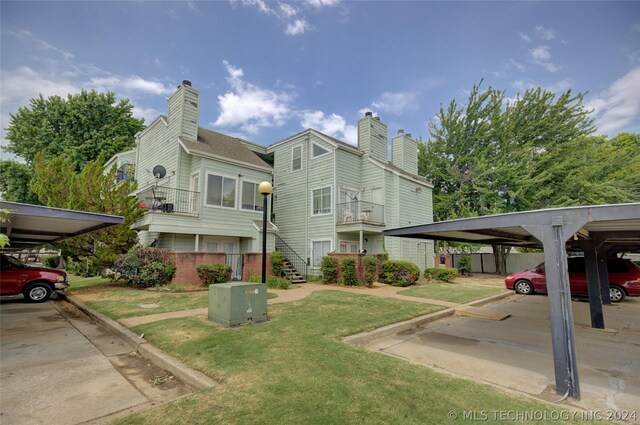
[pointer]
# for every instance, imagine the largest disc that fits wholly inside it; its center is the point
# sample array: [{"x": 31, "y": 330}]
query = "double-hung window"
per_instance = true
[
  {"x": 251, "y": 198},
  {"x": 296, "y": 158},
  {"x": 319, "y": 249},
  {"x": 321, "y": 201},
  {"x": 221, "y": 191}
]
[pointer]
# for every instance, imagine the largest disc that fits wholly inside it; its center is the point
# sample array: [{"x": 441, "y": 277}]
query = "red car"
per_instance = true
[
  {"x": 35, "y": 283},
  {"x": 624, "y": 279}
]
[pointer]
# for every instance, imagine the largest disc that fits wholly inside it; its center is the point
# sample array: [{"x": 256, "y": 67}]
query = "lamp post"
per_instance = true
[{"x": 265, "y": 189}]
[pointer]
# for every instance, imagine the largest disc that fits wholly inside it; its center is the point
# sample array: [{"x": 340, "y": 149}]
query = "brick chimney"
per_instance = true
[
  {"x": 404, "y": 152},
  {"x": 184, "y": 107}
]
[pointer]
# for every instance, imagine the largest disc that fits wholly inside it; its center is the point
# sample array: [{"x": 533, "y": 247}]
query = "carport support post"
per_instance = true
[
  {"x": 593, "y": 284},
  {"x": 603, "y": 273},
  {"x": 560, "y": 314}
]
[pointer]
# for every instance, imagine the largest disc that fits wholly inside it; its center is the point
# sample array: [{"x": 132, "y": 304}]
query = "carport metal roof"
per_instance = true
[
  {"x": 30, "y": 226},
  {"x": 595, "y": 230},
  {"x": 618, "y": 224}
]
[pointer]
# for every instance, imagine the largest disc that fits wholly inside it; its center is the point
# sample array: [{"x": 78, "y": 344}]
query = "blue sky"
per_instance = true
[{"x": 267, "y": 70}]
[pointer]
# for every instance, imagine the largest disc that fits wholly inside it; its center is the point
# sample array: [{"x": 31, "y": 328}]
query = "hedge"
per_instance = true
[
  {"x": 399, "y": 273},
  {"x": 444, "y": 274},
  {"x": 51, "y": 261},
  {"x": 214, "y": 273},
  {"x": 348, "y": 274},
  {"x": 329, "y": 268},
  {"x": 277, "y": 263},
  {"x": 145, "y": 267},
  {"x": 464, "y": 266},
  {"x": 370, "y": 268}
]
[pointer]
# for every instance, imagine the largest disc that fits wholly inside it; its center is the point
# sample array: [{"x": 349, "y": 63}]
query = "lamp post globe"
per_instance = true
[{"x": 265, "y": 188}]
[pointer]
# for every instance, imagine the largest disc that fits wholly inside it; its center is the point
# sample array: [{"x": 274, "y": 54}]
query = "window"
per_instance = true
[
  {"x": 318, "y": 151},
  {"x": 322, "y": 201},
  {"x": 251, "y": 198},
  {"x": 349, "y": 246},
  {"x": 221, "y": 191},
  {"x": 318, "y": 250},
  {"x": 296, "y": 158}
]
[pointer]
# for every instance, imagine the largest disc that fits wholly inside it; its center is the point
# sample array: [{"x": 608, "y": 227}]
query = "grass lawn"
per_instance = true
[
  {"x": 295, "y": 370},
  {"x": 118, "y": 302},
  {"x": 455, "y": 293}
]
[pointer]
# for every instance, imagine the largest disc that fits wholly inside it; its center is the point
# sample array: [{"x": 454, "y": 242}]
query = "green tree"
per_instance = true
[
  {"x": 82, "y": 127},
  {"x": 15, "y": 182},
  {"x": 57, "y": 184},
  {"x": 481, "y": 156}
]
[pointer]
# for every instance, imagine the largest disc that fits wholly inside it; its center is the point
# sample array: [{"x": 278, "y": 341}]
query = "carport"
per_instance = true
[
  {"x": 30, "y": 226},
  {"x": 598, "y": 231}
]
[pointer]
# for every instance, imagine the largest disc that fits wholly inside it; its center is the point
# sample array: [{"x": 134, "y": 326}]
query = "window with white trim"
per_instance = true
[
  {"x": 296, "y": 158},
  {"x": 221, "y": 191},
  {"x": 318, "y": 150},
  {"x": 251, "y": 198},
  {"x": 321, "y": 203},
  {"x": 318, "y": 250}
]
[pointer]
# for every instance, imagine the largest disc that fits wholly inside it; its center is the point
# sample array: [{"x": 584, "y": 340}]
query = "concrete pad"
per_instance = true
[
  {"x": 479, "y": 312},
  {"x": 52, "y": 374},
  {"x": 516, "y": 353}
]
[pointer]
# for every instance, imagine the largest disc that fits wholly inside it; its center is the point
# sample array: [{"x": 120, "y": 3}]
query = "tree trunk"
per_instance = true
[{"x": 500, "y": 253}]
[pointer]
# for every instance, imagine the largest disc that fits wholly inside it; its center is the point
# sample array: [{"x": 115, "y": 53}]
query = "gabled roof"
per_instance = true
[
  {"x": 329, "y": 139},
  {"x": 395, "y": 169},
  {"x": 216, "y": 145}
]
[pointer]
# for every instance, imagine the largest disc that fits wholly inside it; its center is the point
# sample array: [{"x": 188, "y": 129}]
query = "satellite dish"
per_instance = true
[{"x": 159, "y": 171}]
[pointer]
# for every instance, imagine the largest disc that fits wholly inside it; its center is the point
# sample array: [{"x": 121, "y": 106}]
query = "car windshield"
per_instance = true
[{"x": 14, "y": 261}]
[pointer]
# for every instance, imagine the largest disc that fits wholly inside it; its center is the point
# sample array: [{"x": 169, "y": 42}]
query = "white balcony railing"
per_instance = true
[{"x": 360, "y": 212}]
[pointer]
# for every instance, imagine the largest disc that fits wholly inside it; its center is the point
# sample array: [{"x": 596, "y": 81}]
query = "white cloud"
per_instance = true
[
  {"x": 524, "y": 37},
  {"x": 619, "y": 105},
  {"x": 334, "y": 125},
  {"x": 149, "y": 114},
  {"x": 544, "y": 33},
  {"x": 249, "y": 106},
  {"x": 258, "y": 4},
  {"x": 396, "y": 103},
  {"x": 133, "y": 83},
  {"x": 297, "y": 27},
  {"x": 540, "y": 53},
  {"x": 287, "y": 10},
  {"x": 322, "y": 3},
  {"x": 541, "y": 56},
  {"x": 507, "y": 68}
]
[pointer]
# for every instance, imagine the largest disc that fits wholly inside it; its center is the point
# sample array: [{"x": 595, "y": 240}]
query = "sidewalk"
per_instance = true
[{"x": 297, "y": 293}]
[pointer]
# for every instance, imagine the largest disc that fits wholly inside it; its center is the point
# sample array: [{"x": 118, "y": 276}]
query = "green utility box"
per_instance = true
[{"x": 235, "y": 303}]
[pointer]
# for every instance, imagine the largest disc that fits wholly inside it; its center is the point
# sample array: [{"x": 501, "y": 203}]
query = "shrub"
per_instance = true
[
  {"x": 399, "y": 273},
  {"x": 464, "y": 267},
  {"x": 84, "y": 268},
  {"x": 444, "y": 274},
  {"x": 214, "y": 273},
  {"x": 329, "y": 268},
  {"x": 255, "y": 278},
  {"x": 370, "y": 267},
  {"x": 276, "y": 282},
  {"x": 348, "y": 275},
  {"x": 51, "y": 261},
  {"x": 145, "y": 267},
  {"x": 277, "y": 263}
]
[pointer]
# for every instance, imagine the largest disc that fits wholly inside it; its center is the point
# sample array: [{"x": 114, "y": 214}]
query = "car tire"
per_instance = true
[
  {"x": 37, "y": 293},
  {"x": 523, "y": 287},
  {"x": 616, "y": 293}
]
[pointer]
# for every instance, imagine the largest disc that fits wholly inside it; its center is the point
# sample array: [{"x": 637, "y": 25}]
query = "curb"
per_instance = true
[
  {"x": 191, "y": 377},
  {"x": 367, "y": 337}
]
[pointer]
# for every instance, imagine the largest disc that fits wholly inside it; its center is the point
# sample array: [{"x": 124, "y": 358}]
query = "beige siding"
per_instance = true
[
  {"x": 373, "y": 138},
  {"x": 184, "y": 106},
  {"x": 154, "y": 147},
  {"x": 405, "y": 153},
  {"x": 419, "y": 198}
]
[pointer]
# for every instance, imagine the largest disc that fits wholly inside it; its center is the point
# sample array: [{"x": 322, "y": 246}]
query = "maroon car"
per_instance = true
[
  {"x": 624, "y": 279},
  {"x": 35, "y": 283}
]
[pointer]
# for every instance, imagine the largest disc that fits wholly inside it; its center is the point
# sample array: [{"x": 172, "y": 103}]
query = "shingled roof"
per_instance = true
[{"x": 211, "y": 143}]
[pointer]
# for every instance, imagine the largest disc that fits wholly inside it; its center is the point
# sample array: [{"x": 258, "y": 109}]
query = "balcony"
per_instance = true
[
  {"x": 166, "y": 200},
  {"x": 360, "y": 212}
]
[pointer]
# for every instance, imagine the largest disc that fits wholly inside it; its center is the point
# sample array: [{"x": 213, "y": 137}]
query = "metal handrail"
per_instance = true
[
  {"x": 360, "y": 212},
  {"x": 296, "y": 261},
  {"x": 169, "y": 200}
]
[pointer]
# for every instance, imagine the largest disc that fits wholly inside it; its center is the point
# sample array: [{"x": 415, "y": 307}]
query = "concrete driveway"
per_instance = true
[
  {"x": 57, "y": 367},
  {"x": 516, "y": 353}
]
